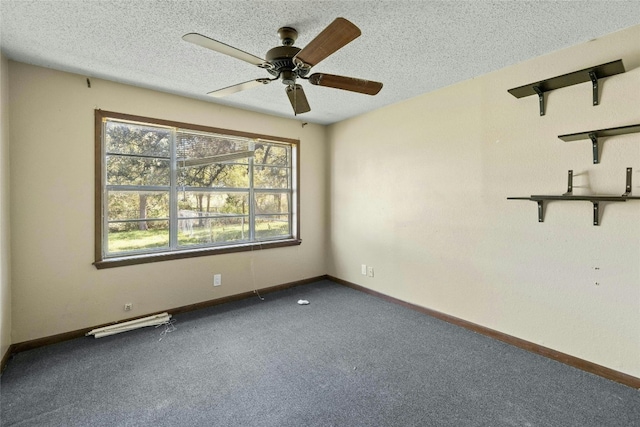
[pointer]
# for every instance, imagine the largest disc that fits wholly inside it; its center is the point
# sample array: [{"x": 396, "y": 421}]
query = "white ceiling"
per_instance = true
[{"x": 413, "y": 47}]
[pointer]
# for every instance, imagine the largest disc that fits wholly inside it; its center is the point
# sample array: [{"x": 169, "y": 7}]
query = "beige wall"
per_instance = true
[
  {"x": 418, "y": 191},
  {"x": 5, "y": 238},
  {"x": 55, "y": 287}
]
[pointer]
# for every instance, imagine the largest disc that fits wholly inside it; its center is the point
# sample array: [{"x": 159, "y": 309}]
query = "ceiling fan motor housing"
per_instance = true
[{"x": 281, "y": 60}]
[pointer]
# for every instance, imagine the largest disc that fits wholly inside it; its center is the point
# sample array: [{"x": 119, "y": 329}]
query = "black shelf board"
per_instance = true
[
  {"x": 593, "y": 135},
  {"x": 593, "y": 198},
  {"x": 569, "y": 79},
  {"x": 622, "y": 130},
  {"x": 586, "y": 198}
]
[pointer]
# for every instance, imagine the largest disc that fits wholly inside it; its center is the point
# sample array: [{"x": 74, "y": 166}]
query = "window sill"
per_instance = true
[{"x": 167, "y": 256}]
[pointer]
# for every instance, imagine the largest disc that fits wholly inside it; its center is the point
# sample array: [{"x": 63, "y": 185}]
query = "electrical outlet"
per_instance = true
[
  {"x": 217, "y": 279},
  {"x": 128, "y": 306},
  {"x": 363, "y": 269},
  {"x": 370, "y": 271}
]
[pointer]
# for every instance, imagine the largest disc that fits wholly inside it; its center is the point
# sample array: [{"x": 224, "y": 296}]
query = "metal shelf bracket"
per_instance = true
[
  {"x": 594, "y": 82},
  {"x": 628, "y": 186},
  {"x": 569, "y": 184},
  {"x": 594, "y": 145},
  {"x": 540, "y": 210},
  {"x": 540, "y": 98}
]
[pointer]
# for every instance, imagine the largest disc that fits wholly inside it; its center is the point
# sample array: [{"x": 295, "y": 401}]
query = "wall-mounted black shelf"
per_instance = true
[
  {"x": 600, "y": 133},
  {"x": 568, "y": 196},
  {"x": 588, "y": 74}
]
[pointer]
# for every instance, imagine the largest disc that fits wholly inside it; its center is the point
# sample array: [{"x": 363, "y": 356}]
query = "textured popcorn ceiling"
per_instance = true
[{"x": 413, "y": 47}]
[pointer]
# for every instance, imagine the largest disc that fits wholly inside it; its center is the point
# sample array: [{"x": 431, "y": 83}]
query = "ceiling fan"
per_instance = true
[{"x": 288, "y": 63}]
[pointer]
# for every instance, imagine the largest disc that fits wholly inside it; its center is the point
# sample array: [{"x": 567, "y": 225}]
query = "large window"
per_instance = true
[{"x": 167, "y": 190}]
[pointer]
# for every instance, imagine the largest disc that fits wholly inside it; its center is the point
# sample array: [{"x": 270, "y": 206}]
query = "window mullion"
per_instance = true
[
  {"x": 252, "y": 219},
  {"x": 173, "y": 194},
  {"x": 118, "y": 187}
]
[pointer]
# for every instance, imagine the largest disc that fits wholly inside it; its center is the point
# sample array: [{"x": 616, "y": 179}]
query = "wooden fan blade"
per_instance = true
[
  {"x": 212, "y": 44},
  {"x": 239, "y": 87},
  {"x": 346, "y": 83},
  {"x": 339, "y": 33},
  {"x": 298, "y": 99}
]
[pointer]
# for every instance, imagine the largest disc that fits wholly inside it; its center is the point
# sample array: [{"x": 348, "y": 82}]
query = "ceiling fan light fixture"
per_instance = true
[{"x": 288, "y": 77}]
